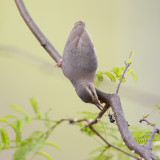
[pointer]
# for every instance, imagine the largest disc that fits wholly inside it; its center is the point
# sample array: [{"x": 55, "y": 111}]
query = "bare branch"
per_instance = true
[
  {"x": 122, "y": 124},
  {"x": 37, "y": 32}
]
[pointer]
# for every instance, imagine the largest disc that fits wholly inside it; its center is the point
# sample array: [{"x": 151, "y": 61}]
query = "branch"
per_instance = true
[
  {"x": 112, "y": 100},
  {"x": 127, "y": 65},
  {"x": 37, "y": 32},
  {"x": 155, "y": 130},
  {"x": 99, "y": 115},
  {"x": 122, "y": 124},
  {"x": 90, "y": 125}
]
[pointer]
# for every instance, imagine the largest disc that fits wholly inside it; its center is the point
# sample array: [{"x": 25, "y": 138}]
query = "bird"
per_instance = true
[{"x": 79, "y": 63}]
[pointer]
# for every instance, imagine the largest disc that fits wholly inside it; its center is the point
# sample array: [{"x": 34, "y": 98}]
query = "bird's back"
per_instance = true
[{"x": 79, "y": 58}]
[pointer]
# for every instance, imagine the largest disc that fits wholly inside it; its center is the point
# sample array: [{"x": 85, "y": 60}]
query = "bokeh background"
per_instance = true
[{"x": 116, "y": 28}]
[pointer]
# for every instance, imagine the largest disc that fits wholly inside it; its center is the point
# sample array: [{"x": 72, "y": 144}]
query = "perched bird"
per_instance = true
[{"x": 79, "y": 63}]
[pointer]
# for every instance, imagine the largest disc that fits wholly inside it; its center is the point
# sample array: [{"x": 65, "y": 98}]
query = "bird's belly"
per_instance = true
[{"x": 76, "y": 72}]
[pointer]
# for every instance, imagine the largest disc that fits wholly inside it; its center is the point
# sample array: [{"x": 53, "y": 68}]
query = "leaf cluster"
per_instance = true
[
  {"x": 116, "y": 73},
  {"x": 36, "y": 141}
]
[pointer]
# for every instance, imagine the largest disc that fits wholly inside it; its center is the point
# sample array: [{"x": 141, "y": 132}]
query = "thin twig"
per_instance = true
[
  {"x": 155, "y": 130},
  {"x": 111, "y": 145},
  {"x": 90, "y": 125},
  {"x": 127, "y": 65},
  {"x": 103, "y": 111}
]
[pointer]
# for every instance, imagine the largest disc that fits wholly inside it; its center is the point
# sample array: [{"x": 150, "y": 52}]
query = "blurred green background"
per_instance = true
[{"x": 116, "y": 28}]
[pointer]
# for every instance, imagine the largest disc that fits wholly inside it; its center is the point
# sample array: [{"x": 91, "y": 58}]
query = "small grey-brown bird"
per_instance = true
[{"x": 79, "y": 63}]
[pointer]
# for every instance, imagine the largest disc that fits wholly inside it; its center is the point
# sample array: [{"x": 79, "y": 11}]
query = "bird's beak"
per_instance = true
[{"x": 98, "y": 104}]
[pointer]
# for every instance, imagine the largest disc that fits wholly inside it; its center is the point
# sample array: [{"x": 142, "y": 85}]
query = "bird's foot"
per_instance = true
[
  {"x": 59, "y": 64},
  {"x": 98, "y": 104}
]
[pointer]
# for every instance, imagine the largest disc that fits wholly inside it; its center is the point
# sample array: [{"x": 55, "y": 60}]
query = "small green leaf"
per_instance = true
[
  {"x": 100, "y": 75},
  {"x": 123, "y": 79},
  {"x": 117, "y": 71},
  {"x": 111, "y": 76},
  {"x": 19, "y": 109},
  {"x": 46, "y": 155},
  {"x": 47, "y": 122},
  {"x": 129, "y": 61},
  {"x": 88, "y": 115},
  {"x": 35, "y": 106},
  {"x": 5, "y": 118},
  {"x": 96, "y": 81},
  {"x": 135, "y": 77},
  {"x": 31, "y": 144},
  {"x": 129, "y": 71},
  {"x": 4, "y": 137},
  {"x": 99, "y": 149},
  {"x": 17, "y": 127},
  {"x": 52, "y": 144},
  {"x": 28, "y": 119},
  {"x": 19, "y": 124},
  {"x": 156, "y": 106}
]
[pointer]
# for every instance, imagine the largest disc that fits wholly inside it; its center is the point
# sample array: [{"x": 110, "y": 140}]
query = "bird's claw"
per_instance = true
[{"x": 59, "y": 64}]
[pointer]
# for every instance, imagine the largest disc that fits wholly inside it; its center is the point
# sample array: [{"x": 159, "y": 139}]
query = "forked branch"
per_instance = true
[
  {"x": 155, "y": 130},
  {"x": 90, "y": 125}
]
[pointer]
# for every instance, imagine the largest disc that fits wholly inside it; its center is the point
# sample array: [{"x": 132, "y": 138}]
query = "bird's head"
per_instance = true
[{"x": 87, "y": 93}]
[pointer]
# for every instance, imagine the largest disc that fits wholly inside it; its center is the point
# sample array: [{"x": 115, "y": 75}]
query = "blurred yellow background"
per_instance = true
[{"x": 116, "y": 28}]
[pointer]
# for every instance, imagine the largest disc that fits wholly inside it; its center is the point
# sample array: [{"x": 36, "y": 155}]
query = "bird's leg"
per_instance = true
[
  {"x": 103, "y": 110},
  {"x": 59, "y": 64},
  {"x": 98, "y": 104}
]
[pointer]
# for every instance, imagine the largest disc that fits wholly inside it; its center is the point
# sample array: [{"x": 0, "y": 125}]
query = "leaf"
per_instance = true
[
  {"x": 17, "y": 127},
  {"x": 135, "y": 77},
  {"x": 19, "y": 109},
  {"x": 117, "y": 71},
  {"x": 52, "y": 144},
  {"x": 99, "y": 149},
  {"x": 86, "y": 130},
  {"x": 123, "y": 79},
  {"x": 88, "y": 115},
  {"x": 98, "y": 78},
  {"x": 46, "y": 155},
  {"x": 5, "y": 118},
  {"x": 4, "y": 137},
  {"x": 111, "y": 76},
  {"x": 96, "y": 81},
  {"x": 100, "y": 75},
  {"x": 32, "y": 143},
  {"x": 28, "y": 119},
  {"x": 47, "y": 122},
  {"x": 35, "y": 106},
  {"x": 156, "y": 106}
]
